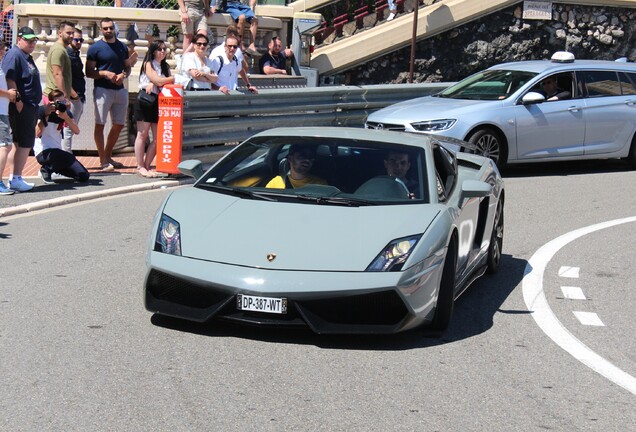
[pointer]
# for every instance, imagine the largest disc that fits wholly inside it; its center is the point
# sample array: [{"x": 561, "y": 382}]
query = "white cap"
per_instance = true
[{"x": 562, "y": 57}]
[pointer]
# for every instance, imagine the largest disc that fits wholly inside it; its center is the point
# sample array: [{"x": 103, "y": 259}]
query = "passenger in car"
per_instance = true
[
  {"x": 300, "y": 160},
  {"x": 551, "y": 90},
  {"x": 397, "y": 165}
]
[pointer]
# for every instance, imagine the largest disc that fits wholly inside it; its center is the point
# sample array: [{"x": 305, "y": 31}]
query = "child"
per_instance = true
[
  {"x": 6, "y": 95},
  {"x": 48, "y": 148}
]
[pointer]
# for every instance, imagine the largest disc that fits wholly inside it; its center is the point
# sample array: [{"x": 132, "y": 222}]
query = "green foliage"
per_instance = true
[{"x": 167, "y": 4}]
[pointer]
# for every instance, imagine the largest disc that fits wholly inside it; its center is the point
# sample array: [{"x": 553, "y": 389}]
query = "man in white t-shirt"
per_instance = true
[
  {"x": 52, "y": 118},
  {"x": 228, "y": 67},
  {"x": 219, "y": 50}
]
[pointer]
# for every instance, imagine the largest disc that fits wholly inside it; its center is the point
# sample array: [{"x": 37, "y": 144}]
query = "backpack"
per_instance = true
[{"x": 222, "y": 61}]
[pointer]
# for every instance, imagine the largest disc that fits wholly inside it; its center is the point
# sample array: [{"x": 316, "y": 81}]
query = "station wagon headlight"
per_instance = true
[
  {"x": 394, "y": 254},
  {"x": 168, "y": 239},
  {"x": 433, "y": 125}
]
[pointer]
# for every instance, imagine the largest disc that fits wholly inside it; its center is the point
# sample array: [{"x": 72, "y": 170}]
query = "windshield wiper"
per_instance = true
[
  {"x": 245, "y": 193},
  {"x": 350, "y": 202}
]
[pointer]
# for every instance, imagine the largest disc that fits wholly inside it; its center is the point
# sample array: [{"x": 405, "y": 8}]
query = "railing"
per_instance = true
[{"x": 212, "y": 121}]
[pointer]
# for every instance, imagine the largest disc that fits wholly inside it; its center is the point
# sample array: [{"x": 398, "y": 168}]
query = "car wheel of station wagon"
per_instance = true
[
  {"x": 489, "y": 143},
  {"x": 496, "y": 240},
  {"x": 631, "y": 158}
]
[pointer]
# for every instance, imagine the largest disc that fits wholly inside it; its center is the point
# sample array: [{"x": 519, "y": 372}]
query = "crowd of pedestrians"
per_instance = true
[{"x": 43, "y": 118}]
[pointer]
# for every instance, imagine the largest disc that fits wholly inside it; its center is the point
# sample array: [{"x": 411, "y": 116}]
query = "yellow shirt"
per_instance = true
[{"x": 278, "y": 182}]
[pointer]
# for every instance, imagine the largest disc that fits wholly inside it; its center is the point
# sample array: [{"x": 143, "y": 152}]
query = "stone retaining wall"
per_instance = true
[{"x": 588, "y": 32}]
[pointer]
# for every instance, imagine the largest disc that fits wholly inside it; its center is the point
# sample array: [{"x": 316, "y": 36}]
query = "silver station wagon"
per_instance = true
[{"x": 531, "y": 111}]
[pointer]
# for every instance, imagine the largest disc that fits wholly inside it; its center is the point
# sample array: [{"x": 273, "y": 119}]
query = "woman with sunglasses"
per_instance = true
[
  {"x": 197, "y": 66},
  {"x": 154, "y": 74}
]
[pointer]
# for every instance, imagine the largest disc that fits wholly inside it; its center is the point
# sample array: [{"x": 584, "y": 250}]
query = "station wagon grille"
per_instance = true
[{"x": 384, "y": 126}]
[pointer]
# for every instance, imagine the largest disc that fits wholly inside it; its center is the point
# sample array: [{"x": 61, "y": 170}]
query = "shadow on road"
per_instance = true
[{"x": 474, "y": 312}]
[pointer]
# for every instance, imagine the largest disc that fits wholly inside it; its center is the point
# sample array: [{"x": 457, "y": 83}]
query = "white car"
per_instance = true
[
  {"x": 386, "y": 231},
  {"x": 503, "y": 111}
]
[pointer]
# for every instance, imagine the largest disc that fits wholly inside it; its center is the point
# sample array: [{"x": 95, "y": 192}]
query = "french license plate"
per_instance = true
[{"x": 261, "y": 304}]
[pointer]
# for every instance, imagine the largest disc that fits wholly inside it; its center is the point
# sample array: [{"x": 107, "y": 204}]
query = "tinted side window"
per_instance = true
[
  {"x": 628, "y": 83},
  {"x": 446, "y": 167},
  {"x": 601, "y": 83}
]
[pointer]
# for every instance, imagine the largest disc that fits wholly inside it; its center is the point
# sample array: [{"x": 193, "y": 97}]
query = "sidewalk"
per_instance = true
[
  {"x": 91, "y": 163},
  {"x": 100, "y": 185}
]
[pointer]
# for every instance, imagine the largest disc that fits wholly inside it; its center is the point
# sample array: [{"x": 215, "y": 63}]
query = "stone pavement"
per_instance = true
[{"x": 100, "y": 184}]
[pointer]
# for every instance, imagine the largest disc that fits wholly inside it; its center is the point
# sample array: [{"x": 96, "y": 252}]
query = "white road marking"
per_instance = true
[
  {"x": 569, "y": 272},
  {"x": 588, "y": 318},
  {"x": 534, "y": 296},
  {"x": 573, "y": 293}
]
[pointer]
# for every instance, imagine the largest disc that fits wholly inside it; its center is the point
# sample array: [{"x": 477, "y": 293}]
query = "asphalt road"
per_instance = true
[{"x": 79, "y": 352}]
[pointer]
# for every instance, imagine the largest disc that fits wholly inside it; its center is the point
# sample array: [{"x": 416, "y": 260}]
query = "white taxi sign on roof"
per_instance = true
[{"x": 562, "y": 57}]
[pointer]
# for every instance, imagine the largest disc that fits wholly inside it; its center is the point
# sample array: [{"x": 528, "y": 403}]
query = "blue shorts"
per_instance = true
[{"x": 237, "y": 9}]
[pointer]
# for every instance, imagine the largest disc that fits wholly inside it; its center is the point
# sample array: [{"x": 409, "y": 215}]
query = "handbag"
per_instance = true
[{"x": 146, "y": 99}]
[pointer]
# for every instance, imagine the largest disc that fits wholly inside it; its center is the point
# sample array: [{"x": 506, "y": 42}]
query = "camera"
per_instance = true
[{"x": 60, "y": 106}]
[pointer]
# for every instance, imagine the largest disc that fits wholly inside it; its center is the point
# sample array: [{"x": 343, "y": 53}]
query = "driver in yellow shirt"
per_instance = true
[{"x": 301, "y": 160}]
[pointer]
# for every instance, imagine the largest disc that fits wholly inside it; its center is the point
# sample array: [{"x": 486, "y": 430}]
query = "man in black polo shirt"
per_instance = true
[
  {"x": 275, "y": 60},
  {"x": 23, "y": 75},
  {"x": 78, "y": 82}
]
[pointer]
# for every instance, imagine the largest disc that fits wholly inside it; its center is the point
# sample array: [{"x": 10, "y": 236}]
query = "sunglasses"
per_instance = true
[
  {"x": 232, "y": 46},
  {"x": 200, "y": 44},
  {"x": 108, "y": 28},
  {"x": 80, "y": 40},
  {"x": 306, "y": 155},
  {"x": 161, "y": 49}
]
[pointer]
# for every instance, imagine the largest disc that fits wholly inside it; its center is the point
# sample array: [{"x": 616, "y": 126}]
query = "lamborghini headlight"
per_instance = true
[
  {"x": 168, "y": 239},
  {"x": 433, "y": 125},
  {"x": 394, "y": 254}
]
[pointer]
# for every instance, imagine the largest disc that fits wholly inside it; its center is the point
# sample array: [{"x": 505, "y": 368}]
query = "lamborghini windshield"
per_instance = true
[
  {"x": 488, "y": 85},
  {"x": 317, "y": 170}
]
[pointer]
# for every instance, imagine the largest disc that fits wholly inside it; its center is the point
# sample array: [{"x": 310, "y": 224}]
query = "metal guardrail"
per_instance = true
[{"x": 212, "y": 120}]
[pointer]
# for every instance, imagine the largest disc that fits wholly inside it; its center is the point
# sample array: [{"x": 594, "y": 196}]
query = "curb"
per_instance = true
[{"x": 60, "y": 201}]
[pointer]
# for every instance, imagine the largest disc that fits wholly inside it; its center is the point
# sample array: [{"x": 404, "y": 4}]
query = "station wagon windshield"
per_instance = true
[
  {"x": 321, "y": 171},
  {"x": 488, "y": 85}
]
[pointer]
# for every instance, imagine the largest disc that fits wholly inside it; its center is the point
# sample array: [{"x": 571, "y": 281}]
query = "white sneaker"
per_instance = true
[
  {"x": 59, "y": 177},
  {"x": 19, "y": 185},
  {"x": 390, "y": 17}
]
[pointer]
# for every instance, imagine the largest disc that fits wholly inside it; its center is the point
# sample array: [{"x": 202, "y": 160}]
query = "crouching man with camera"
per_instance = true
[{"x": 52, "y": 119}]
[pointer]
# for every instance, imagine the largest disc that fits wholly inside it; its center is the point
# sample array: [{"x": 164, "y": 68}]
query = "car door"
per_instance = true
[
  {"x": 466, "y": 220},
  {"x": 551, "y": 128},
  {"x": 610, "y": 109}
]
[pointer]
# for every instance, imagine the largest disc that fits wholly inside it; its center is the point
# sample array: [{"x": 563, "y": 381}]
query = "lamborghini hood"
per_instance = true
[{"x": 289, "y": 236}]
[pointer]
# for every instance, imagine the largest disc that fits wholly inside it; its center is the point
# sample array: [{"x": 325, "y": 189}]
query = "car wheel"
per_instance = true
[
  {"x": 631, "y": 158},
  {"x": 496, "y": 240},
  {"x": 446, "y": 296},
  {"x": 489, "y": 143}
]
